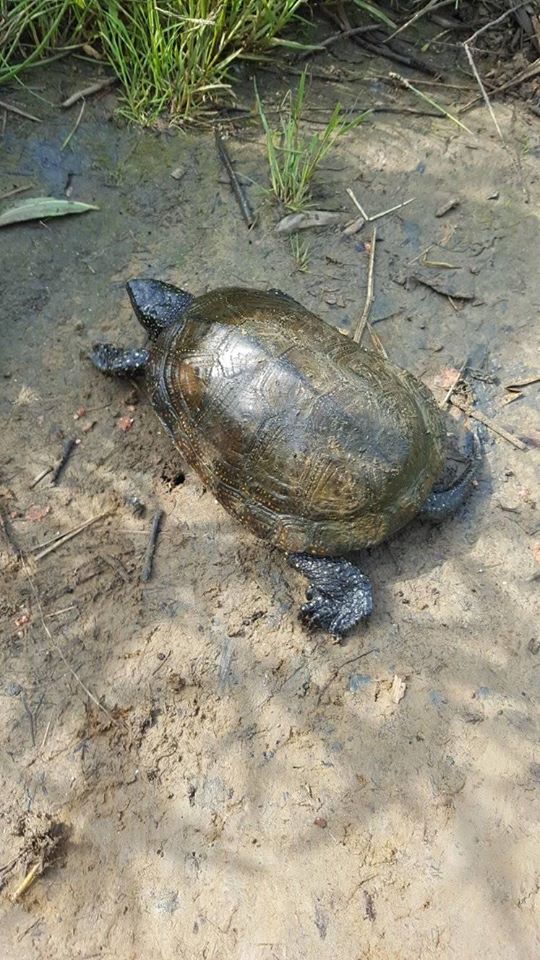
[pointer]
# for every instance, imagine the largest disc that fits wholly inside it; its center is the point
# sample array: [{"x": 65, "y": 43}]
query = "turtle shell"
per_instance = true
[{"x": 314, "y": 443}]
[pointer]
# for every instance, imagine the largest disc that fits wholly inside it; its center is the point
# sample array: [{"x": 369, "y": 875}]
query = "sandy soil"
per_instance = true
[{"x": 200, "y": 776}]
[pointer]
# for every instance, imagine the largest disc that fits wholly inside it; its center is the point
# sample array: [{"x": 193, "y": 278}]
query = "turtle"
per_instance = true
[{"x": 317, "y": 445}]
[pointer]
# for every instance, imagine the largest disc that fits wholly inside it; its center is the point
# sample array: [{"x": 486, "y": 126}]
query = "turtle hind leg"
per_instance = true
[
  {"x": 442, "y": 504},
  {"x": 117, "y": 361},
  {"x": 339, "y": 595}
]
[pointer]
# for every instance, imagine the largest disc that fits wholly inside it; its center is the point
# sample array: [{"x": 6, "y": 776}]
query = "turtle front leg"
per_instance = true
[
  {"x": 117, "y": 361},
  {"x": 339, "y": 595}
]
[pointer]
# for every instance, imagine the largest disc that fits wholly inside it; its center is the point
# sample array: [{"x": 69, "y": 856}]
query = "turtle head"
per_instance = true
[{"x": 157, "y": 304}]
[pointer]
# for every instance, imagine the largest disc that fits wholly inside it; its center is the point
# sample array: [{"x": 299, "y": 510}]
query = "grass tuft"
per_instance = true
[
  {"x": 168, "y": 54},
  {"x": 293, "y": 157},
  {"x": 300, "y": 251}
]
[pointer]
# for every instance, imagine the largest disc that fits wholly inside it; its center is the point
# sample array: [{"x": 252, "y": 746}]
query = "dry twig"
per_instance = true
[
  {"x": 429, "y": 8},
  {"x": 41, "y": 476},
  {"x": 383, "y": 213},
  {"x": 358, "y": 331},
  {"x": 69, "y": 447},
  {"x": 467, "y": 44},
  {"x": 489, "y": 423},
  {"x": 59, "y": 541},
  {"x": 340, "y": 668},
  {"x": 455, "y": 382},
  {"x": 151, "y": 548},
  {"x": 335, "y": 37},
  {"x": 11, "y": 193},
  {"x": 238, "y": 190},
  {"x": 527, "y": 74},
  {"x": 88, "y": 91},
  {"x": 21, "y": 113},
  {"x": 28, "y": 880}
]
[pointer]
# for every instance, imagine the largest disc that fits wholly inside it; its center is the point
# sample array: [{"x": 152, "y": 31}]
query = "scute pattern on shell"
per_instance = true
[{"x": 316, "y": 444}]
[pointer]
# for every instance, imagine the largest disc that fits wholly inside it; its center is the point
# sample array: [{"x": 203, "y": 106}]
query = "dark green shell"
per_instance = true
[{"x": 314, "y": 443}]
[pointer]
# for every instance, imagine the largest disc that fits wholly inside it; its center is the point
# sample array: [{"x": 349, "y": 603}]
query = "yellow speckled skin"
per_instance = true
[{"x": 316, "y": 444}]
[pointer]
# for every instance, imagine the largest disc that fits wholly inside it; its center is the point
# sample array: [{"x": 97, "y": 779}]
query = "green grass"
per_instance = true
[
  {"x": 33, "y": 30},
  {"x": 172, "y": 55},
  {"x": 293, "y": 156},
  {"x": 300, "y": 252}
]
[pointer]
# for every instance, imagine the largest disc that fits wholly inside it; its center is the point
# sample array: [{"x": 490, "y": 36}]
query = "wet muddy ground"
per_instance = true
[{"x": 199, "y": 775}]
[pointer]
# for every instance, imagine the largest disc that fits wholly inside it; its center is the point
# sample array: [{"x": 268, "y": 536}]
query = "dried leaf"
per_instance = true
[
  {"x": 303, "y": 221},
  {"x": 38, "y": 208},
  {"x": 398, "y": 688}
]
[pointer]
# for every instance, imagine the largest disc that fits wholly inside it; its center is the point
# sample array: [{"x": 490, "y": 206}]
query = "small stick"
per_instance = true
[
  {"x": 483, "y": 91},
  {"x": 340, "y": 668},
  {"x": 383, "y": 213},
  {"x": 398, "y": 206},
  {"x": 335, "y": 37},
  {"x": 429, "y": 7},
  {"x": 41, "y": 476},
  {"x": 358, "y": 331},
  {"x": 238, "y": 191},
  {"x": 60, "y": 536},
  {"x": 28, "y": 880},
  {"x": 357, "y": 204},
  {"x": 69, "y": 447},
  {"x": 75, "y": 128},
  {"x": 88, "y": 91},
  {"x": 60, "y": 541},
  {"x": 430, "y": 100},
  {"x": 58, "y": 613},
  {"x": 493, "y": 23},
  {"x": 469, "y": 42},
  {"x": 21, "y": 113},
  {"x": 384, "y": 108},
  {"x": 490, "y": 424},
  {"x": 526, "y": 74},
  {"x": 47, "y": 730},
  {"x": 28, "y": 929},
  {"x": 146, "y": 572},
  {"x": 11, "y": 193},
  {"x": 455, "y": 382}
]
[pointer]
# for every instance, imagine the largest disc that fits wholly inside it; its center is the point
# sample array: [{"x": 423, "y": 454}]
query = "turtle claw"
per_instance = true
[{"x": 339, "y": 595}]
